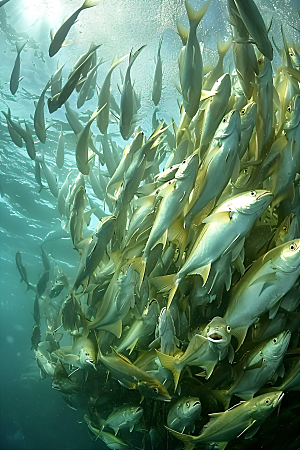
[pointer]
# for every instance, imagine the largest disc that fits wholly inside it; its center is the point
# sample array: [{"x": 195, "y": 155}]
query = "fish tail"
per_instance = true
[
  {"x": 182, "y": 31},
  {"x": 116, "y": 62},
  {"x": 195, "y": 15},
  {"x": 20, "y": 46},
  {"x": 168, "y": 362},
  {"x": 223, "y": 48},
  {"x": 188, "y": 440},
  {"x": 139, "y": 265},
  {"x": 89, "y": 4},
  {"x": 133, "y": 56},
  {"x": 166, "y": 283}
]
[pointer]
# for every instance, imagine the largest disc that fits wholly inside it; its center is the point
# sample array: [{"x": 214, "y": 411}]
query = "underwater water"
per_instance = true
[{"x": 43, "y": 405}]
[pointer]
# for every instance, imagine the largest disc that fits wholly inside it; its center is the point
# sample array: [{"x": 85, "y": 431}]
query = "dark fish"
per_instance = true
[{"x": 15, "y": 75}]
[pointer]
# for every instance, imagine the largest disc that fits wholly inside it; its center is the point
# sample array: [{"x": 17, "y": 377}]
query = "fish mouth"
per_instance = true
[
  {"x": 197, "y": 403},
  {"x": 280, "y": 397},
  {"x": 215, "y": 337},
  {"x": 265, "y": 194}
]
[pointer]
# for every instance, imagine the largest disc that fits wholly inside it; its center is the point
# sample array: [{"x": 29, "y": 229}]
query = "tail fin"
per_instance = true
[
  {"x": 223, "y": 48},
  {"x": 116, "y": 62},
  {"x": 185, "y": 438},
  {"x": 195, "y": 15},
  {"x": 133, "y": 56},
  {"x": 168, "y": 363},
  {"x": 166, "y": 284},
  {"x": 20, "y": 46},
  {"x": 89, "y": 4}
]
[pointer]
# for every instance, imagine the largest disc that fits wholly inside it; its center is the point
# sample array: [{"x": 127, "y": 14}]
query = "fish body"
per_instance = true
[
  {"x": 77, "y": 215},
  {"x": 62, "y": 32},
  {"x": 60, "y": 151},
  {"x": 132, "y": 377},
  {"x": 255, "y": 25},
  {"x": 127, "y": 100},
  {"x": 167, "y": 333},
  {"x": 84, "y": 91},
  {"x": 104, "y": 97},
  {"x": 39, "y": 118},
  {"x": 15, "y": 74},
  {"x": 82, "y": 156},
  {"x": 217, "y": 166},
  {"x": 265, "y": 282},
  {"x": 157, "y": 80},
  {"x": 190, "y": 63},
  {"x": 24, "y": 134},
  {"x": 248, "y": 118},
  {"x": 50, "y": 177},
  {"x": 183, "y": 413},
  {"x": 124, "y": 417},
  {"x": 81, "y": 354}
]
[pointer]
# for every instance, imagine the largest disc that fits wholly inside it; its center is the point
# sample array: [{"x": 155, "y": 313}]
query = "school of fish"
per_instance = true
[{"x": 181, "y": 325}]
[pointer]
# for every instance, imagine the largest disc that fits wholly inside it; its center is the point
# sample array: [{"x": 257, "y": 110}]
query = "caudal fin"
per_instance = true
[
  {"x": 90, "y": 3},
  {"x": 168, "y": 362},
  {"x": 195, "y": 15}
]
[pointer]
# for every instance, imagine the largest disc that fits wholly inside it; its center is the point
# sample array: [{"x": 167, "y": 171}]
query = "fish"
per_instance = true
[
  {"x": 62, "y": 32},
  {"x": 49, "y": 175},
  {"x": 157, "y": 79},
  {"x": 266, "y": 281},
  {"x": 127, "y": 100},
  {"x": 245, "y": 417},
  {"x": 81, "y": 354},
  {"x": 82, "y": 155},
  {"x": 23, "y": 272},
  {"x": 183, "y": 414},
  {"x": 255, "y": 25},
  {"x": 24, "y": 134},
  {"x": 39, "y": 119},
  {"x": 131, "y": 377},
  {"x": 16, "y": 138},
  {"x": 190, "y": 63},
  {"x": 123, "y": 418},
  {"x": 84, "y": 91},
  {"x": 15, "y": 74},
  {"x": 60, "y": 151},
  {"x": 104, "y": 97},
  {"x": 3, "y": 2}
]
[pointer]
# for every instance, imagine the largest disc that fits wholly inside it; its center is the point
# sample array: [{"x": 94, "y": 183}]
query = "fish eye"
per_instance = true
[
  {"x": 171, "y": 167},
  {"x": 155, "y": 390},
  {"x": 275, "y": 341},
  {"x": 156, "y": 192},
  {"x": 252, "y": 193},
  {"x": 292, "y": 53},
  {"x": 243, "y": 111},
  {"x": 267, "y": 401},
  {"x": 224, "y": 120},
  {"x": 293, "y": 246},
  {"x": 259, "y": 61},
  {"x": 289, "y": 109},
  {"x": 170, "y": 182},
  {"x": 86, "y": 353},
  {"x": 228, "y": 328},
  {"x": 245, "y": 170},
  {"x": 131, "y": 409},
  {"x": 188, "y": 404},
  {"x": 184, "y": 161},
  {"x": 198, "y": 328},
  {"x": 284, "y": 228}
]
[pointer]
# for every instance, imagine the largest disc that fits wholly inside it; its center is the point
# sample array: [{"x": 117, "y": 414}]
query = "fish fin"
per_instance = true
[
  {"x": 273, "y": 311},
  {"x": 223, "y": 48},
  {"x": 121, "y": 356},
  {"x": 185, "y": 438},
  {"x": 115, "y": 328},
  {"x": 166, "y": 284},
  {"x": 89, "y": 4},
  {"x": 221, "y": 217},
  {"x": 239, "y": 333},
  {"x": 247, "y": 428},
  {"x": 168, "y": 363},
  {"x": 252, "y": 430},
  {"x": 222, "y": 445},
  {"x": 132, "y": 345},
  {"x": 203, "y": 271},
  {"x": 228, "y": 279},
  {"x": 133, "y": 56},
  {"x": 139, "y": 265},
  {"x": 178, "y": 234},
  {"x": 208, "y": 370},
  {"x": 195, "y": 15},
  {"x": 266, "y": 280},
  {"x": 71, "y": 359},
  {"x": 20, "y": 46},
  {"x": 116, "y": 62},
  {"x": 116, "y": 258},
  {"x": 127, "y": 384}
]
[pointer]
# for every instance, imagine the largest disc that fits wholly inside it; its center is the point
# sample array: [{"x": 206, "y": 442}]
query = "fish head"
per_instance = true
[
  {"x": 189, "y": 408},
  {"x": 263, "y": 405},
  {"x": 151, "y": 311},
  {"x": 276, "y": 347},
  {"x": 288, "y": 256},
  {"x": 189, "y": 167},
  {"x": 230, "y": 124},
  {"x": 292, "y": 114},
  {"x": 248, "y": 115},
  {"x": 87, "y": 357},
  {"x": 134, "y": 413},
  {"x": 223, "y": 83},
  {"x": 218, "y": 332},
  {"x": 264, "y": 68},
  {"x": 252, "y": 202},
  {"x": 287, "y": 231},
  {"x": 154, "y": 389}
]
